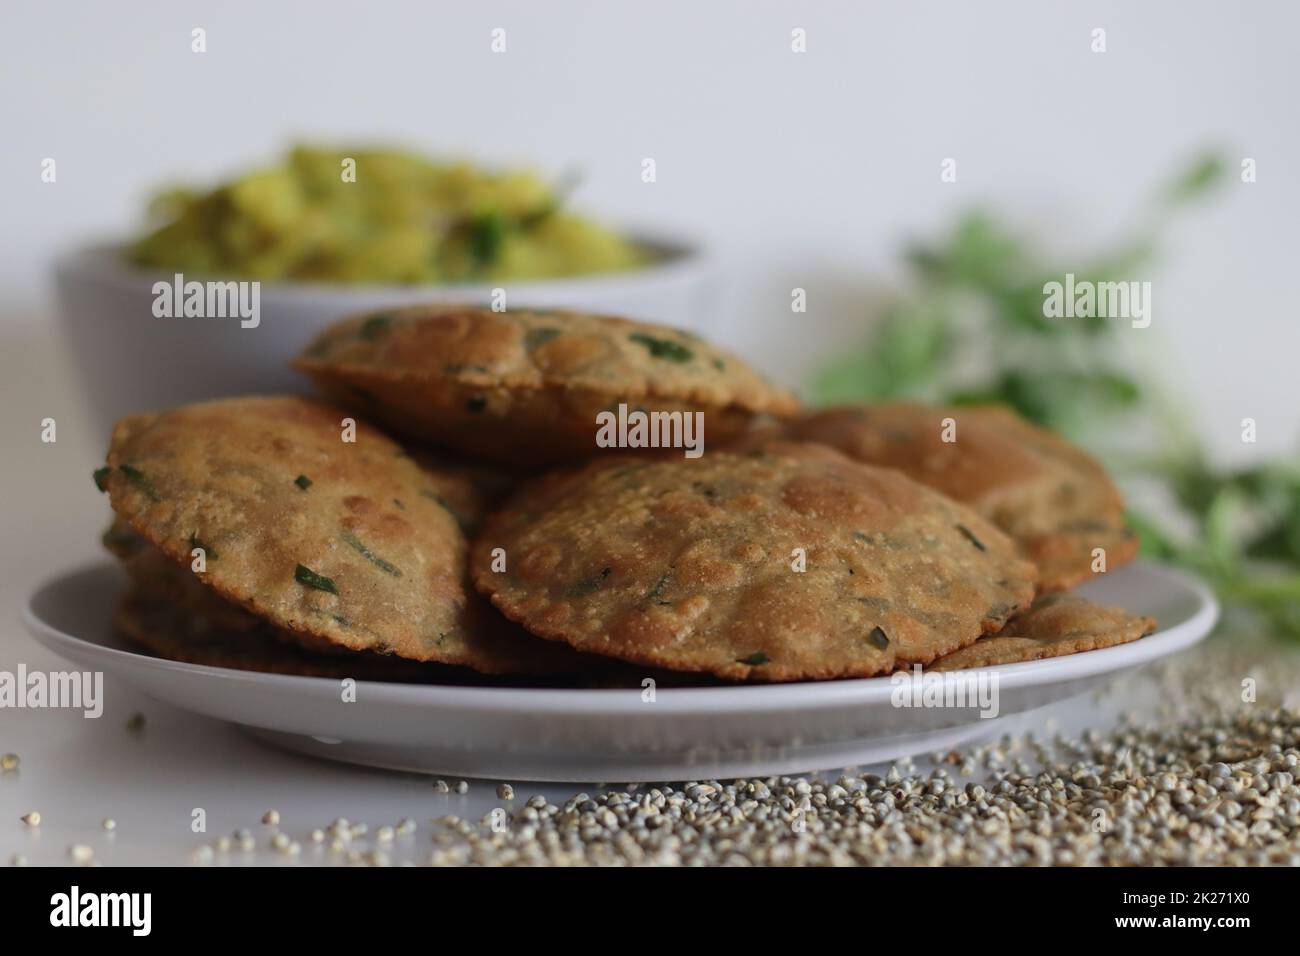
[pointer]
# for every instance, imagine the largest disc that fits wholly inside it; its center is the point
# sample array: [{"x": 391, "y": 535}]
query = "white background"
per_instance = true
[{"x": 800, "y": 170}]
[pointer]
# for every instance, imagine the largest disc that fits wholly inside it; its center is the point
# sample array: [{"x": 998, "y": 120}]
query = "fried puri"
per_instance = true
[
  {"x": 525, "y": 387},
  {"x": 1053, "y": 498},
  {"x": 318, "y": 525},
  {"x": 1056, "y": 625},
  {"x": 783, "y": 564}
]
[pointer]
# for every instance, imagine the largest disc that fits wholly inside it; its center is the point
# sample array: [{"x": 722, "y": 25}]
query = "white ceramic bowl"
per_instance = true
[
  {"x": 128, "y": 360},
  {"x": 686, "y": 733}
]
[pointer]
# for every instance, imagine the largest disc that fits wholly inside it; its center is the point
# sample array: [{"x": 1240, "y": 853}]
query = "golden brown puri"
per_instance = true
[
  {"x": 1056, "y": 625},
  {"x": 1053, "y": 498},
  {"x": 525, "y": 387},
  {"x": 690, "y": 565},
  {"x": 171, "y": 613},
  {"x": 343, "y": 544},
  {"x": 180, "y": 634}
]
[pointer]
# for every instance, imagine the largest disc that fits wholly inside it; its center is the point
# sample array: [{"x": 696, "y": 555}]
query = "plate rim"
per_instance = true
[{"x": 674, "y": 701}]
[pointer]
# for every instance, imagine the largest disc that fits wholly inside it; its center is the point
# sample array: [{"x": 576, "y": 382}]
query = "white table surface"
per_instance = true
[{"x": 76, "y": 771}]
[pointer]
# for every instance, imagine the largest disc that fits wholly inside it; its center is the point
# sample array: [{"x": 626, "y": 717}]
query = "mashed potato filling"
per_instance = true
[{"x": 377, "y": 216}]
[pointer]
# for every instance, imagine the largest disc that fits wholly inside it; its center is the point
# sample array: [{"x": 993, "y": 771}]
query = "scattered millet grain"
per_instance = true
[
  {"x": 80, "y": 853},
  {"x": 1209, "y": 779}
]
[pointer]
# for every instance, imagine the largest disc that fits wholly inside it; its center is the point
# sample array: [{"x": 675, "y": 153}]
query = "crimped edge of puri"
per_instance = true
[
  {"x": 739, "y": 672},
  {"x": 1139, "y": 628},
  {"x": 756, "y": 395},
  {"x": 776, "y": 402},
  {"x": 1057, "y": 575},
  {"x": 513, "y": 610}
]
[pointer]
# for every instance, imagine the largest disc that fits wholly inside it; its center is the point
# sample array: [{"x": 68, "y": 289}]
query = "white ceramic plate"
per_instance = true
[{"x": 615, "y": 735}]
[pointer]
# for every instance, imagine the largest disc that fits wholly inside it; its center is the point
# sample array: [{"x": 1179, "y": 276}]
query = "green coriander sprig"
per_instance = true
[{"x": 971, "y": 329}]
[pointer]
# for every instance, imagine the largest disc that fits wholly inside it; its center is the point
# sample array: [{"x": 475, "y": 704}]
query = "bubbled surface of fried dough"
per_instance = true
[
  {"x": 524, "y": 386},
  {"x": 343, "y": 544},
  {"x": 687, "y": 565},
  {"x": 1052, "y": 497},
  {"x": 1056, "y": 625}
]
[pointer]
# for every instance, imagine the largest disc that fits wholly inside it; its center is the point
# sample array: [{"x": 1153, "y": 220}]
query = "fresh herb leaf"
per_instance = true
[
  {"x": 659, "y": 587},
  {"x": 879, "y": 638},
  {"x": 757, "y": 659},
  {"x": 303, "y": 482},
  {"x": 353, "y": 542},
  {"x": 137, "y": 478},
  {"x": 446, "y": 506},
  {"x": 969, "y": 535},
  {"x": 195, "y": 542},
  {"x": 663, "y": 348},
  {"x": 305, "y": 575},
  {"x": 535, "y": 338},
  {"x": 101, "y": 477},
  {"x": 1197, "y": 179},
  {"x": 590, "y": 585},
  {"x": 487, "y": 237},
  {"x": 376, "y": 325},
  {"x": 973, "y": 330}
]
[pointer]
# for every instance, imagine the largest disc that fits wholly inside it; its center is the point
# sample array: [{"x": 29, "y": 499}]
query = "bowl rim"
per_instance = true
[{"x": 676, "y": 257}]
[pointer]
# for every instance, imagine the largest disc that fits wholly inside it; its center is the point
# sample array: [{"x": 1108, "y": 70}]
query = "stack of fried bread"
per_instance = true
[{"x": 449, "y": 513}]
